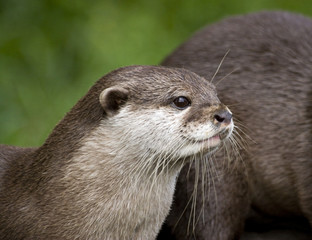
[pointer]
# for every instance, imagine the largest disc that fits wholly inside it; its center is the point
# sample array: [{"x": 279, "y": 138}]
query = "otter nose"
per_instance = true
[{"x": 223, "y": 116}]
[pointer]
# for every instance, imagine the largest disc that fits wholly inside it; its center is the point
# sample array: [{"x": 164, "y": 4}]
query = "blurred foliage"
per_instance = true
[{"x": 52, "y": 51}]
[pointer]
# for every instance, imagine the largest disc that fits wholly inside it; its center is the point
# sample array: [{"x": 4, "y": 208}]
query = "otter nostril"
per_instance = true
[
  {"x": 219, "y": 118},
  {"x": 223, "y": 116}
]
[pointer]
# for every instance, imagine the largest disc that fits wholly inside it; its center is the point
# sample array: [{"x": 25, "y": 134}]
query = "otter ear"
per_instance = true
[{"x": 112, "y": 99}]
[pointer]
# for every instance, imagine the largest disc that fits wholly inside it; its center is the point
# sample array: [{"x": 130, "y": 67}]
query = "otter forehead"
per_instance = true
[{"x": 159, "y": 85}]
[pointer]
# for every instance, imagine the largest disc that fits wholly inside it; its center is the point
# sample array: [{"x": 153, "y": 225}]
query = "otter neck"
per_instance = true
[
  {"x": 105, "y": 153},
  {"x": 118, "y": 182},
  {"x": 105, "y": 182}
]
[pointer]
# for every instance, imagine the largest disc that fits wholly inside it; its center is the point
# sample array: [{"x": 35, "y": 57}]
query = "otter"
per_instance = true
[
  {"x": 108, "y": 169},
  {"x": 266, "y": 79}
]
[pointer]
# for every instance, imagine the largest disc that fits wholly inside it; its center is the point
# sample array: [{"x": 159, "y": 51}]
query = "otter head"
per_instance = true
[{"x": 165, "y": 112}]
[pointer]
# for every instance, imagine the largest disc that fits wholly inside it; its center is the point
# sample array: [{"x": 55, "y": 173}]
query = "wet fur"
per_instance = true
[
  {"x": 266, "y": 79},
  {"x": 108, "y": 169}
]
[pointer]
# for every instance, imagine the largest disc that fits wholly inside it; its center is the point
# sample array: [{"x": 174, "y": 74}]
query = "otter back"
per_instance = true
[{"x": 266, "y": 79}]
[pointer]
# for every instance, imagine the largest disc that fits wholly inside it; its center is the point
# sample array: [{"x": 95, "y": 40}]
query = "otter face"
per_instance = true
[{"x": 176, "y": 115}]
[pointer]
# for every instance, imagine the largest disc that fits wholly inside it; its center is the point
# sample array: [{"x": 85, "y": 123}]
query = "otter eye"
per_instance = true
[{"x": 181, "y": 103}]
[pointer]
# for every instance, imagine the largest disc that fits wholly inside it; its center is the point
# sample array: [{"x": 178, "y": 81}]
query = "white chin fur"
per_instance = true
[
  {"x": 203, "y": 144},
  {"x": 191, "y": 150}
]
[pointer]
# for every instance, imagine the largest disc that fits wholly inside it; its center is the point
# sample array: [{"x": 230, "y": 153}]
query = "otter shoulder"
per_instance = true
[{"x": 9, "y": 154}]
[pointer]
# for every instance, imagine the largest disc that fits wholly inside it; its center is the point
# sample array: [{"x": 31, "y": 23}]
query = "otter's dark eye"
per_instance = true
[{"x": 181, "y": 103}]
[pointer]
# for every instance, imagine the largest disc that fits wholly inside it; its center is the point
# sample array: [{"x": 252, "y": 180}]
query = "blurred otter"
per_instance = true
[{"x": 266, "y": 79}]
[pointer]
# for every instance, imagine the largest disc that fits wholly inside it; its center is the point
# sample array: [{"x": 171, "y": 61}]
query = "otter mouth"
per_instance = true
[
  {"x": 210, "y": 142},
  {"x": 213, "y": 138},
  {"x": 213, "y": 141}
]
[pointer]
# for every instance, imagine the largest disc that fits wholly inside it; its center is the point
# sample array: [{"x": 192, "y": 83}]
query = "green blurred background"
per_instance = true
[{"x": 52, "y": 51}]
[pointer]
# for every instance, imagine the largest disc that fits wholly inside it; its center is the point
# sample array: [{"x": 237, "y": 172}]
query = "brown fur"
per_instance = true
[
  {"x": 108, "y": 169},
  {"x": 269, "y": 91}
]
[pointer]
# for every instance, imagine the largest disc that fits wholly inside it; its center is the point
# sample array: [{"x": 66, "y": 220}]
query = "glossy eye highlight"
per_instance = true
[{"x": 181, "y": 103}]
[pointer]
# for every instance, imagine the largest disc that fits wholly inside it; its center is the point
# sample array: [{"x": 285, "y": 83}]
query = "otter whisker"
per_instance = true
[
  {"x": 194, "y": 196},
  {"x": 242, "y": 138},
  {"x": 204, "y": 175},
  {"x": 203, "y": 160},
  {"x": 234, "y": 70},
  {"x": 192, "y": 218},
  {"x": 241, "y": 141},
  {"x": 243, "y": 128},
  {"x": 207, "y": 163},
  {"x": 165, "y": 159},
  {"x": 218, "y": 68},
  {"x": 236, "y": 150}
]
